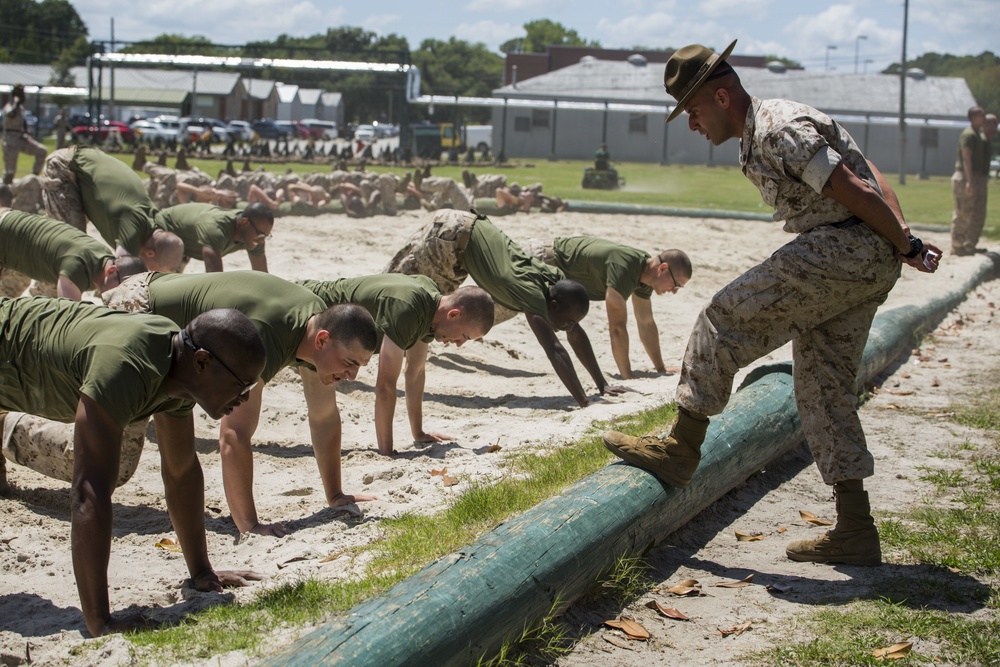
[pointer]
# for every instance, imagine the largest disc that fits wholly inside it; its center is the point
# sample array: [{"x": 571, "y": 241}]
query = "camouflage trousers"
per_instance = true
[
  {"x": 543, "y": 251},
  {"x": 15, "y": 143},
  {"x": 60, "y": 191},
  {"x": 970, "y": 212},
  {"x": 13, "y": 283},
  {"x": 442, "y": 191},
  {"x": 131, "y": 296},
  {"x": 819, "y": 291},
  {"x": 487, "y": 184},
  {"x": 46, "y": 446}
]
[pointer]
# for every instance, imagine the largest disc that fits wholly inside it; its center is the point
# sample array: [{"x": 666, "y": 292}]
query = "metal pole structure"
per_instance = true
[
  {"x": 857, "y": 43},
  {"x": 830, "y": 47},
  {"x": 604, "y": 127},
  {"x": 111, "y": 71},
  {"x": 552, "y": 150},
  {"x": 902, "y": 99}
]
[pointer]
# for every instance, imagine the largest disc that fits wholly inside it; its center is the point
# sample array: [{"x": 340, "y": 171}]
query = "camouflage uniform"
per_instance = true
[
  {"x": 46, "y": 446},
  {"x": 543, "y": 251},
  {"x": 444, "y": 191},
  {"x": 970, "y": 210},
  {"x": 27, "y": 194},
  {"x": 60, "y": 191},
  {"x": 819, "y": 291},
  {"x": 132, "y": 295},
  {"x": 436, "y": 250},
  {"x": 16, "y": 141}
]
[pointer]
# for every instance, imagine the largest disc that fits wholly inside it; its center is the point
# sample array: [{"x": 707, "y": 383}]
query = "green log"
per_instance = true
[{"x": 465, "y": 605}]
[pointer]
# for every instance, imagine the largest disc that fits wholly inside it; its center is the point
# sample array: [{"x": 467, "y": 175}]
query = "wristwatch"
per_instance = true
[{"x": 916, "y": 247}]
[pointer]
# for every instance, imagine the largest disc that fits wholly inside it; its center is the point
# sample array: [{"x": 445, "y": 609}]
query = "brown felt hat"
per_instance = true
[{"x": 688, "y": 68}]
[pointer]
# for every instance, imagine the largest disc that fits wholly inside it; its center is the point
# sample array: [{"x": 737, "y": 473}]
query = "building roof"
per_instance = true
[
  {"x": 332, "y": 99},
  {"x": 934, "y": 97},
  {"x": 204, "y": 82},
  {"x": 287, "y": 92},
  {"x": 258, "y": 89}
]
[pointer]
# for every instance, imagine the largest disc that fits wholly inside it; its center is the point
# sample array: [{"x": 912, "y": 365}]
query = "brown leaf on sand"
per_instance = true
[
  {"x": 334, "y": 556},
  {"x": 746, "y": 537},
  {"x": 736, "y": 630},
  {"x": 935, "y": 382},
  {"x": 894, "y": 652},
  {"x": 448, "y": 480},
  {"x": 617, "y": 641},
  {"x": 435, "y": 472},
  {"x": 686, "y": 588},
  {"x": 495, "y": 447},
  {"x": 813, "y": 519},
  {"x": 736, "y": 584},
  {"x": 669, "y": 612},
  {"x": 631, "y": 629},
  {"x": 168, "y": 544},
  {"x": 782, "y": 529}
]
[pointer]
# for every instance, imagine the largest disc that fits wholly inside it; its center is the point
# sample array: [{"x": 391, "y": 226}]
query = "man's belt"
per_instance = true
[{"x": 850, "y": 222}]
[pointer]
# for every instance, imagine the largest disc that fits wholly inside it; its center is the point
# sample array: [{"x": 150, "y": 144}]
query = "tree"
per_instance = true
[
  {"x": 981, "y": 73},
  {"x": 457, "y": 67},
  {"x": 40, "y": 32},
  {"x": 544, "y": 33}
]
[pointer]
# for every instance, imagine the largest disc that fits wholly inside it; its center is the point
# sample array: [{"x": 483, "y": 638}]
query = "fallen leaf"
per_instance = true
[
  {"x": 782, "y": 529},
  {"x": 620, "y": 643},
  {"x": 943, "y": 360},
  {"x": 688, "y": 587},
  {"x": 904, "y": 375},
  {"x": 448, "y": 480},
  {"x": 631, "y": 629},
  {"x": 905, "y": 392},
  {"x": 736, "y": 584},
  {"x": 434, "y": 472},
  {"x": 736, "y": 630},
  {"x": 778, "y": 587},
  {"x": 812, "y": 518},
  {"x": 669, "y": 612},
  {"x": 493, "y": 448},
  {"x": 894, "y": 406},
  {"x": 168, "y": 544},
  {"x": 744, "y": 537},
  {"x": 334, "y": 556},
  {"x": 935, "y": 383},
  {"x": 294, "y": 559},
  {"x": 894, "y": 652}
]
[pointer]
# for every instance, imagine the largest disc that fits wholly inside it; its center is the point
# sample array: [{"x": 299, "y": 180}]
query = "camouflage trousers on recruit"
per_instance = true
[
  {"x": 46, "y": 446},
  {"x": 131, "y": 296},
  {"x": 820, "y": 291},
  {"x": 60, "y": 191},
  {"x": 15, "y": 143},
  {"x": 970, "y": 213}
]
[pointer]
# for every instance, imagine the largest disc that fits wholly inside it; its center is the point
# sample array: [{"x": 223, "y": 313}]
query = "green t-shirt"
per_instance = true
[
  {"x": 976, "y": 143},
  {"x": 598, "y": 264},
  {"x": 514, "y": 280},
  {"x": 402, "y": 306},
  {"x": 54, "y": 350},
  {"x": 114, "y": 198},
  {"x": 201, "y": 225},
  {"x": 44, "y": 249},
  {"x": 280, "y": 310}
]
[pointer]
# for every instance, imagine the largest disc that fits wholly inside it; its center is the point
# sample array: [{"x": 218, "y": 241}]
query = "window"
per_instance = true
[
  {"x": 522, "y": 124},
  {"x": 540, "y": 118},
  {"x": 637, "y": 123}
]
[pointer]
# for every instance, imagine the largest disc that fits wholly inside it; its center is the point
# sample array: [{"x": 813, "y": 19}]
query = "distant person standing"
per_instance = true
[
  {"x": 16, "y": 139},
  {"x": 62, "y": 125},
  {"x": 968, "y": 185}
]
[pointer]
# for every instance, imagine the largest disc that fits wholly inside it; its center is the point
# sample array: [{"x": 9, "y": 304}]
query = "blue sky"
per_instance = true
[{"x": 800, "y": 29}]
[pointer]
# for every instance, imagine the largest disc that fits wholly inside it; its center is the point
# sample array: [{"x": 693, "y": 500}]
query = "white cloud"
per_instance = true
[
  {"x": 490, "y": 33},
  {"x": 536, "y": 8}
]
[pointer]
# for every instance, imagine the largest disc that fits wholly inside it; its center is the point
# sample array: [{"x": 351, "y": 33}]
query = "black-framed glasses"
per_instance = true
[
  {"x": 260, "y": 234},
  {"x": 247, "y": 386},
  {"x": 677, "y": 285}
]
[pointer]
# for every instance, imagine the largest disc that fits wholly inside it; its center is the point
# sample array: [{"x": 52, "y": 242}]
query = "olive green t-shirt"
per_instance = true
[
  {"x": 598, "y": 264},
  {"x": 279, "y": 310},
  {"x": 498, "y": 265},
  {"x": 44, "y": 249},
  {"x": 201, "y": 225},
  {"x": 54, "y": 350},
  {"x": 978, "y": 146},
  {"x": 402, "y": 306},
  {"x": 114, "y": 198}
]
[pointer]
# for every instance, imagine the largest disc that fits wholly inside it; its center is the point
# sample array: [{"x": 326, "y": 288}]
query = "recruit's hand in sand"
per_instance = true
[
  {"x": 273, "y": 529},
  {"x": 615, "y": 390},
  {"x": 342, "y": 499},
  {"x": 216, "y": 580},
  {"x": 426, "y": 437}
]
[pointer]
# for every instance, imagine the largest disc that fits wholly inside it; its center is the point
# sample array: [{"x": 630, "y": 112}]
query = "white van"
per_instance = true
[{"x": 479, "y": 137}]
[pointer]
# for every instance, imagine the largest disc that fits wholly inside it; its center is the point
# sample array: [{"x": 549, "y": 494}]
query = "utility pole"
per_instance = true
[
  {"x": 902, "y": 98},
  {"x": 857, "y": 43}
]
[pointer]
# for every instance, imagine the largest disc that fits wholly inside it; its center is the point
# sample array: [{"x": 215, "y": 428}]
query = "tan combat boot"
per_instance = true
[
  {"x": 853, "y": 541},
  {"x": 673, "y": 457}
]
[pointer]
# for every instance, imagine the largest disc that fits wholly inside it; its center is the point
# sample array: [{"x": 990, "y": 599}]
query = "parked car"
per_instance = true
[
  {"x": 195, "y": 128},
  {"x": 269, "y": 129},
  {"x": 365, "y": 133},
  {"x": 105, "y": 129},
  {"x": 287, "y": 127},
  {"x": 240, "y": 130},
  {"x": 383, "y": 130},
  {"x": 320, "y": 129},
  {"x": 154, "y": 132}
]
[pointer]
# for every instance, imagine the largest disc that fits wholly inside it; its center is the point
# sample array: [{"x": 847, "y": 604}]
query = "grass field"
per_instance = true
[{"x": 926, "y": 201}]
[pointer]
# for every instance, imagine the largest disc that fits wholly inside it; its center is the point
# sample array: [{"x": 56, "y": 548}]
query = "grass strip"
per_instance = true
[{"x": 405, "y": 545}]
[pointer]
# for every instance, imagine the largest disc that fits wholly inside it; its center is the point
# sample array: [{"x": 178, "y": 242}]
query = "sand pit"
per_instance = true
[{"x": 501, "y": 390}]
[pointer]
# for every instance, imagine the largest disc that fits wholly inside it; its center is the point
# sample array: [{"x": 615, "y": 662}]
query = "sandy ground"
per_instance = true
[{"x": 498, "y": 391}]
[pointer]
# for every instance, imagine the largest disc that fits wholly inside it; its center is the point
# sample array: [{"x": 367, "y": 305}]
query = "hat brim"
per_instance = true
[{"x": 694, "y": 89}]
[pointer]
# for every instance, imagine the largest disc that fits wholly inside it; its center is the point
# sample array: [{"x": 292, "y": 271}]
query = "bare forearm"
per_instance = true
[
  {"x": 237, "y": 479},
  {"x": 185, "y": 496},
  {"x": 649, "y": 335},
  {"x": 90, "y": 537},
  {"x": 385, "y": 410},
  {"x": 414, "y": 381},
  {"x": 620, "y": 350},
  {"x": 326, "y": 440}
]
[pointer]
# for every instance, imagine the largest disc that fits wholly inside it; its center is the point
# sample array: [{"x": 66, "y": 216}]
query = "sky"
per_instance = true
[{"x": 819, "y": 35}]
